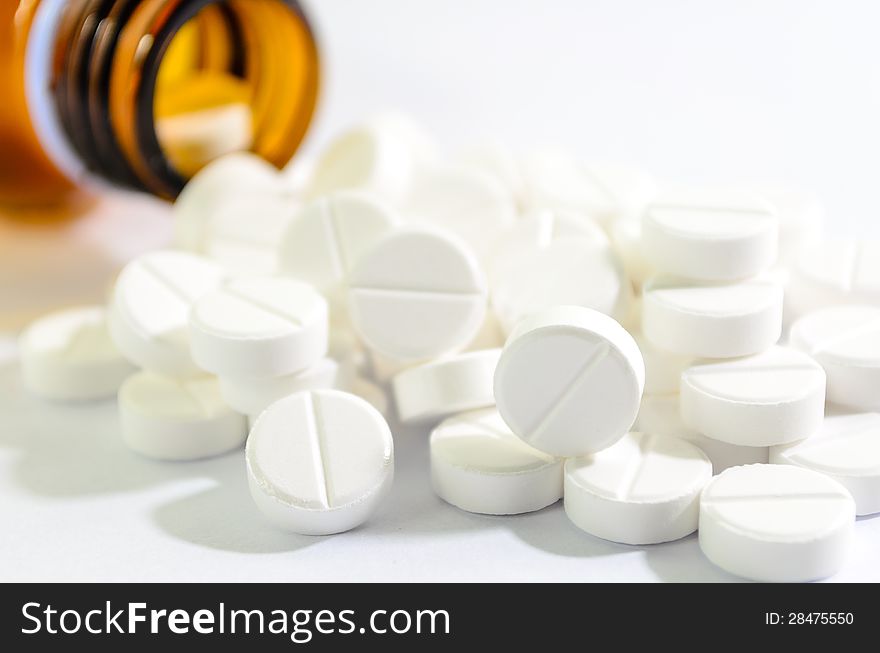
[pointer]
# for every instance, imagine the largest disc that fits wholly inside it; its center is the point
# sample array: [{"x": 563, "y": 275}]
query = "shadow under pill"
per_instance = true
[{"x": 224, "y": 517}]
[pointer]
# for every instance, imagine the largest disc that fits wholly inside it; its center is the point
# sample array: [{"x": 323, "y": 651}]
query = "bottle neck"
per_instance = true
[{"x": 140, "y": 93}]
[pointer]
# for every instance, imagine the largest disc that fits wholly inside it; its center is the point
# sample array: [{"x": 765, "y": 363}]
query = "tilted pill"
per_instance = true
[
  {"x": 478, "y": 465},
  {"x": 774, "y": 397},
  {"x": 468, "y": 202},
  {"x": 570, "y": 271},
  {"x": 712, "y": 320},
  {"x": 846, "y": 448},
  {"x": 177, "y": 419},
  {"x": 68, "y": 355},
  {"x": 710, "y": 235},
  {"x": 319, "y": 462},
  {"x": 644, "y": 489},
  {"x": 380, "y": 155},
  {"x": 556, "y": 180},
  {"x": 241, "y": 173},
  {"x": 776, "y": 523},
  {"x": 446, "y": 386},
  {"x": 417, "y": 294},
  {"x": 569, "y": 381},
  {"x": 149, "y": 314},
  {"x": 535, "y": 232},
  {"x": 259, "y": 327},
  {"x": 845, "y": 340},
  {"x": 325, "y": 240}
]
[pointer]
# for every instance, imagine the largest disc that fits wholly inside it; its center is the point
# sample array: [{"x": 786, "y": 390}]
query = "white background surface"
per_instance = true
[{"x": 695, "y": 91}]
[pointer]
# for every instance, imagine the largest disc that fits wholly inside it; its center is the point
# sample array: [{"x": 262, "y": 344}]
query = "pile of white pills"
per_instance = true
[{"x": 559, "y": 330}]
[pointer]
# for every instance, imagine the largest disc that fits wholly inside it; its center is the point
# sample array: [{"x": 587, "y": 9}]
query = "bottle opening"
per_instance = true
[{"x": 144, "y": 93}]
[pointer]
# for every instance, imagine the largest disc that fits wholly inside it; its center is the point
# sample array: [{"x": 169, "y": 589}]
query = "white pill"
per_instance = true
[
  {"x": 259, "y": 327},
  {"x": 469, "y": 202},
  {"x": 478, "y": 465},
  {"x": 446, "y": 386},
  {"x": 380, "y": 155},
  {"x": 832, "y": 272},
  {"x": 571, "y": 271},
  {"x": 417, "y": 294},
  {"x": 660, "y": 415},
  {"x": 327, "y": 238},
  {"x": 644, "y": 489},
  {"x": 556, "y": 180},
  {"x": 776, "y": 523},
  {"x": 710, "y": 235},
  {"x": 193, "y": 138},
  {"x": 178, "y": 419},
  {"x": 68, "y": 355},
  {"x": 535, "y": 232},
  {"x": 319, "y": 462},
  {"x": 774, "y": 397},
  {"x": 569, "y": 381},
  {"x": 845, "y": 340},
  {"x": 846, "y": 448},
  {"x": 149, "y": 316},
  {"x": 712, "y": 320},
  {"x": 251, "y": 395},
  {"x": 243, "y": 233},
  {"x": 800, "y": 216},
  {"x": 662, "y": 368},
  {"x": 241, "y": 173}
]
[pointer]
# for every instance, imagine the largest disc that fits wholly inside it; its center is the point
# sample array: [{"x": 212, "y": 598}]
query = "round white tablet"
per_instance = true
[
  {"x": 417, "y": 294},
  {"x": 478, "y": 465},
  {"x": 660, "y": 415},
  {"x": 556, "y": 180},
  {"x": 241, "y": 173},
  {"x": 573, "y": 271},
  {"x": 845, "y": 340},
  {"x": 174, "y": 419},
  {"x": 446, "y": 386},
  {"x": 68, "y": 355},
  {"x": 319, "y": 462},
  {"x": 469, "y": 202},
  {"x": 774, "y": 397},
  {"x": 250, "y": 395},
  {"x": 380, "y": 155},
  {"x": 776, "y": 523},
  {"x": 535, "y": 232},
  {"x": 709, "y": 320},
  {"x": 831, "y": 272},
  {"x": 644, "y": 489},
  {"x": 710, "y": 235},
  {"x": 846, "y": 448},
  {"x": 149, "y": 316},
  {"x": 328, "y": 236},
  {"x": 242, "y": 233},
  {"x": 569, "y": 381},
  {"x": 259, "y": 327}
]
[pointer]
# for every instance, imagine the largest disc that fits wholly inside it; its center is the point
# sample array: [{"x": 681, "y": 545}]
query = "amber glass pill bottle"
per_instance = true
[{"x": 142, "y": 93}]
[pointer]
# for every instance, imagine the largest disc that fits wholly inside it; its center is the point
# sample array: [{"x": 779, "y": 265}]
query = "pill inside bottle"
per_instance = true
[{"x": 143, "y": 93}]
